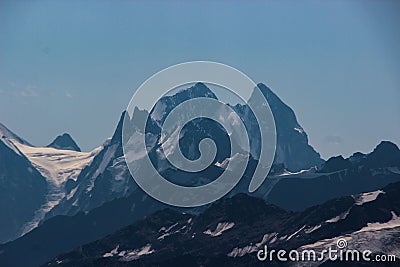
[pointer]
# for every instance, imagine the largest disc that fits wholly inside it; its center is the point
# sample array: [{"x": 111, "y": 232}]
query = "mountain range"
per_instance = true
[
  {"x": 232, "y": 230},
  {"x": 57, "y": 198}
]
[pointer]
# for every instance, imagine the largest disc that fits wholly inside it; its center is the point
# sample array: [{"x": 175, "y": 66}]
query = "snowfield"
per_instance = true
[{"x": 57, "y": 166}]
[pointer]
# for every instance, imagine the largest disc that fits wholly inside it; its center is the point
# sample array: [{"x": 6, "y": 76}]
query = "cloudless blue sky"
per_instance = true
[{"x": 72, "y": 66}]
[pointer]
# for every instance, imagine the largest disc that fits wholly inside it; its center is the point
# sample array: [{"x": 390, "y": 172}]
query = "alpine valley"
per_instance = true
[{"x": 60, "y": 206}]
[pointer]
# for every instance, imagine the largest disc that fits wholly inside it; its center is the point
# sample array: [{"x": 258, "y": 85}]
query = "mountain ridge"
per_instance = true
[
  {"x": 106, "y": 181},
  {"x": 88, "y": 226},
  {"x": 7, "y": 133},
  {"x": 167, "y": 234},
  {"x": 97, "y": 185}
]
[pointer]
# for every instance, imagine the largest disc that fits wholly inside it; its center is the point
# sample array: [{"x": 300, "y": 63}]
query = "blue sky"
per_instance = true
[{"x": 72, "y": 66}]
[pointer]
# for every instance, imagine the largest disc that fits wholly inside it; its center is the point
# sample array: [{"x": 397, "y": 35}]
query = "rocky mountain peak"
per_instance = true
[{"x": 64, "y": 142}]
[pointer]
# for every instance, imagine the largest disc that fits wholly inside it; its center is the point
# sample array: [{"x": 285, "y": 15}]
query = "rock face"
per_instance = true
[
  {"x": 292, "y": 148},
  {"x": 64, "y": 142}
]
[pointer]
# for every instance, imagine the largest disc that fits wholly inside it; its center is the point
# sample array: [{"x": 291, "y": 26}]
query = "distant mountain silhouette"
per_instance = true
[{"x": 65, "y": 142}]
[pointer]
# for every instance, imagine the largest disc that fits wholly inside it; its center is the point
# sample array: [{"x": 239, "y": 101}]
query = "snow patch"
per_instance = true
[
  {"x": 108, "y": 155},
  {"x": 57, "y": 166},
  {"x": 367, "y": 197},
  {"x": 378, "y": 241},
  {"x": 295, "y": 233},
  {"x": 72, "y": 193},
  {"x": 312, "y": 229},
  {"x": 137, "y": 253},
  {"x": 298, "y": 130},
  {"x": 286, "y": 173},
  {"x": 394, "y": 222},
  {"x": 112, "y": 252},
  {"x": 225, "y": 163},
  {"x": 167, "y": 231},
  {"x": 240, "y": 252},
  {"x": 221, "y": 227},
  {"x": 339, "y": 217}
]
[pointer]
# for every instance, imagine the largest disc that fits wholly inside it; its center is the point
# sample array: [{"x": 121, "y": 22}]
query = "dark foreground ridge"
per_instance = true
[{"x": 232, "y": 230}]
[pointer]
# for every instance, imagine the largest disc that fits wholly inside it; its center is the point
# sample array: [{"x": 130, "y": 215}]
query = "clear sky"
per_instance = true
[{"x": 72, "y": 66}]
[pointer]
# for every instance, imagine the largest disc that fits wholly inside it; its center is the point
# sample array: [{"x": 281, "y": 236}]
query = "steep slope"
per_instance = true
[
  {"x": 41, "y": 173},
  {"x": 22, "y": 187},
  {"x": 292, "y": 147},
  {"x": 64, "y": 142},
  {"x": 59, "y": 167},
  {"x": 5, "y": 133},
  {"x": 104, "y": 179}
]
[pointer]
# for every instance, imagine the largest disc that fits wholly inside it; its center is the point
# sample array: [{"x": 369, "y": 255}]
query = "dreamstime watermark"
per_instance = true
[
  {"x": 135, "y": 135},
  {"x": 338, "y": 253}
]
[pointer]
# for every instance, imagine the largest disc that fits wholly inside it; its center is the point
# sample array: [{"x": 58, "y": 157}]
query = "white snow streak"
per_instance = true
[
  {"x": 221, "y": 227},
  {"x": 367, "y": 197}
]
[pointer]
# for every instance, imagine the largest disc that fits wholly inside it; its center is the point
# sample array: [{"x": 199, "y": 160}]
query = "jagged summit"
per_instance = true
[
  {"x": 293, "y": 148},
  {"x": 64, "y": 142},
  {"x": 197, "y": 90},
  {"x": 168, "y": 103}
]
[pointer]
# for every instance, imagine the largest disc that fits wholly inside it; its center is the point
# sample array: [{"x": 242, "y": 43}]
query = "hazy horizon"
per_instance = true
[{"x": 73, "y": 66}]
